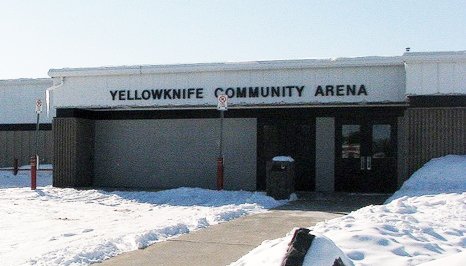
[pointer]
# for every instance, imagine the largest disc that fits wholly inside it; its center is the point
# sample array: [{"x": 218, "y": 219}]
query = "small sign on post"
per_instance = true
[
  {"x": 222, "y": 104},
  {"x": 38, "y": 106}
]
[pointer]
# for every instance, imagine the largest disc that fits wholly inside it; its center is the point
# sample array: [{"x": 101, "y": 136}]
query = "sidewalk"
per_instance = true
[{"x": 225, "y": 243}]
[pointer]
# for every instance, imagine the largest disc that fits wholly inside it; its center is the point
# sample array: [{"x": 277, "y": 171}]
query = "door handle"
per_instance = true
[
  {"x": 369, "y": 163},
  {"x": 363, "y": 162}
]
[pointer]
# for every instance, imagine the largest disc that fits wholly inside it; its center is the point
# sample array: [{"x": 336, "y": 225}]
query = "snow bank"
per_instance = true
[
  {"x": 440, "y": 175},
  {"x": 424, "y": 221},
  {"x": 270, "y": 252},
  {"x": 52, "y": 226},
  {"x": 202, "y": 197},
  {"x": 323, "y": 252},
  {"x": 406, "y": 231}
]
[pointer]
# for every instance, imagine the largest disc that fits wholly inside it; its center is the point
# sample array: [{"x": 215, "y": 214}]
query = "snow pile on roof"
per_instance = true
[
  {"x": 282, "y": 159},
  {"x": 419, "y": 225},
  {"x": 440, "y": 175},
  {"x": 53, "y": 226}
]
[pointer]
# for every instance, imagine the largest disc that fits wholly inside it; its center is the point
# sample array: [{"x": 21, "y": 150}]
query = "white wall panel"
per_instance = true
[
  {"x": 383, "y": 84},
  {"x": 436, "y": 73},
  {"x": 17, "y": 100}
]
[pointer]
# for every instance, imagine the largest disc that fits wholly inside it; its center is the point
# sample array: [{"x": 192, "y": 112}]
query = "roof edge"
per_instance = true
[
  {"x": 26, "y": 81},
  {"x": 429, "y": 57},
  {"x": 212, "y": 67}
]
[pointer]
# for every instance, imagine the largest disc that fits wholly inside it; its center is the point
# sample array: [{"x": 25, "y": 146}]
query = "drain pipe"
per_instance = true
[{"x": 49, "y": 90}]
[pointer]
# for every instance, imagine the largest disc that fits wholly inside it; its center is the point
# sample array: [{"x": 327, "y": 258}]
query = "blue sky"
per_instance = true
[{"x": 39, "y": 35}]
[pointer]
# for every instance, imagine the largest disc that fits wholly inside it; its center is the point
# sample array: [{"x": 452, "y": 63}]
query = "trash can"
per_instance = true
[{"x": 280, "y": 177}]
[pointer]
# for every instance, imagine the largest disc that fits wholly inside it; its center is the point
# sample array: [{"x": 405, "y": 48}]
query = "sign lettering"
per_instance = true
[
  {"x": 291, "y": 91},
  {"x": 340, "y": 90},
  {"x": 158, "y": 94}
]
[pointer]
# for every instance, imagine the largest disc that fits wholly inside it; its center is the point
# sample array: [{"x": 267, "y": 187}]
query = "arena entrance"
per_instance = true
[{"x": 365, "y": 155}]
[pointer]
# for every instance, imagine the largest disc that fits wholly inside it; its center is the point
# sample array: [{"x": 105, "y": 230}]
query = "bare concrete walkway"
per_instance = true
[{"x": 227, "y": 242}]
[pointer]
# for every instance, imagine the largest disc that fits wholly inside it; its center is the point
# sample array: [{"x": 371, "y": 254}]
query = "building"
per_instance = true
[
  {"x": 351, "y": 124},
  {"x": 18, "y": 122}
]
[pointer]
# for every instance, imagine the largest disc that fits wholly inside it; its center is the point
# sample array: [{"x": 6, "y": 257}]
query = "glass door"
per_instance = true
[
  {"x": 365, "y": 156},
  {"x": 381, "y": 159}
]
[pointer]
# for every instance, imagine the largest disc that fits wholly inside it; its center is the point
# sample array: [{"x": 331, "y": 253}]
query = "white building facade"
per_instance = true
[
  {"x": 18, "y": 122},
  {"x": 353, "y": 124}
]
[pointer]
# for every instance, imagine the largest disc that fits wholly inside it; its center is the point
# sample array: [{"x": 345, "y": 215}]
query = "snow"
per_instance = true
[
  {"x": 324, "y": 252},
  {"x": 293, "y": 197},
  {"x": 270, "y": 252},
  {"x": 276, "y": 249},
  {"x": 452, "y": 260},
  {"x": 23, "y": 179},
  {"x": 421, "y": 224},
  {"x": 54, "y": 226},
  {"x": 282, "y": 159},
  {"x": 440, "y": 175},
  {"x": 406, "y": 231},
  {"x": 424, "y": 221}
]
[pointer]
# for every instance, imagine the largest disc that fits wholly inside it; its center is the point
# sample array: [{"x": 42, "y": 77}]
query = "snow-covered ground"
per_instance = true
[
  {"x": 424, "y": 221},
  {"x": 52, "y": 226}
]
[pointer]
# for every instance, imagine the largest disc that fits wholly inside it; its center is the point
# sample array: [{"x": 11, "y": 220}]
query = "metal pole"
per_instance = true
[
  {"x": 222, "y": 115},
  {"x": 33, "y": 172},
  {"x": 220, "y": 155},
  {"x": 35, "y": 158},
  {"x": 36, "y": 148}
]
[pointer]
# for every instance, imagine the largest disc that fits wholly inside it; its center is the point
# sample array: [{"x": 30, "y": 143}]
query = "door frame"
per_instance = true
[{"x": 366, "y": 122}]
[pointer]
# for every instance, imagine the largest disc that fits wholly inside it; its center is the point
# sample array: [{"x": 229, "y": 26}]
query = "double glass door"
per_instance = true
[{"x": 365, "y": 155}]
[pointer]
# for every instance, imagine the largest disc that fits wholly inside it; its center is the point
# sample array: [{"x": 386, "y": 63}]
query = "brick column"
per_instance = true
[{"x": 73, "y": 152}]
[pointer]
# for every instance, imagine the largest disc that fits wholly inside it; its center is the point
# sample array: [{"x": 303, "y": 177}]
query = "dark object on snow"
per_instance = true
[
  {"x": 280, "y": 179},
  {"x": 298, "y": 247},
  {"x": 338, "y": 262}
]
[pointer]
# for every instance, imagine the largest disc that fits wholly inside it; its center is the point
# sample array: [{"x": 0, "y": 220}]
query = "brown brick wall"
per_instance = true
[
  {"x": 20, "y": 144},
  {"x": 427, "y": 133},
  {"x": 73, "y": 152}
]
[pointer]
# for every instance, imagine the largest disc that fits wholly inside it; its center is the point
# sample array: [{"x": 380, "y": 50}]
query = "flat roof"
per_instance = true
[
  {"x": 408, "y": 57},
  {"x": 418, "y": 57},
  {"x": 5, "y": 82},
  {"x": 227, "y": 66}
]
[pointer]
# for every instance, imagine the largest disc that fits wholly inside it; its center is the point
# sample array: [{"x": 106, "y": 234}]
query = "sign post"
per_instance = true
[
  {"x": 35, "y": 158},
  {"x": 222, "y": 106}
]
